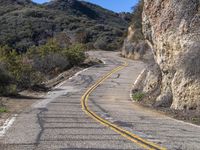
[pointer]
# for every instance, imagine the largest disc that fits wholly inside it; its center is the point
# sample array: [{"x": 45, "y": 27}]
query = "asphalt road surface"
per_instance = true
[{"x": 93, "y": 111}]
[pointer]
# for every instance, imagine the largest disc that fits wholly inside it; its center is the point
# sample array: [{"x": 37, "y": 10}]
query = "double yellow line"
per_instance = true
[{"x": 132, "y": 137}]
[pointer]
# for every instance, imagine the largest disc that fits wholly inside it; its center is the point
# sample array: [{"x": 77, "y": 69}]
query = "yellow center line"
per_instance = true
[{"x": 130, "y": 136}]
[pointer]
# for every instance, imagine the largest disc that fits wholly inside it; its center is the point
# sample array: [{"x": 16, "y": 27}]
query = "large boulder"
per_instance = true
[{"x": 172, "y": 29}]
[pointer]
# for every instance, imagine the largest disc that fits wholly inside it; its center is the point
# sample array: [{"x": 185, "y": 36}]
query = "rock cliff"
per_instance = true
[{"x": 172, "y": 29}]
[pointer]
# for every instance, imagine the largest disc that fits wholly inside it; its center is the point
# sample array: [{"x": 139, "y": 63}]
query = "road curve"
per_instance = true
[
  {"x": 111, "y": 122},
  {"x": 132, "y": 137}
]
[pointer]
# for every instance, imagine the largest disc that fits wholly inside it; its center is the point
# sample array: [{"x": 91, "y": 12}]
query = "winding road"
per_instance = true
[{"x": 93, "y": 111}]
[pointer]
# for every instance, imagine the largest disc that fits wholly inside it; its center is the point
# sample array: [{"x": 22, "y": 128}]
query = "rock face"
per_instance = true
[
  {"x": 172, "y": 29},
  {"x": 134, "y": 48}
]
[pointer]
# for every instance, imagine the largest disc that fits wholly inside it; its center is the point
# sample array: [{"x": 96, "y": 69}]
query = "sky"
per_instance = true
[{"x": 114, "y": 5}]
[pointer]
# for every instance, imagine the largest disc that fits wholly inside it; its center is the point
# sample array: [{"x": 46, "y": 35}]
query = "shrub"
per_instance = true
[
  {"x": 3, "y": 110},
  {"x": 51, "y": 58},
  {"x": 63, "y": 40},
  {"x": 50, "y": 47},
  {"x": 25, "y": 75},
  {"x": 6, "y": 85},
  {"x": 48, "y": 58},
  {"x": 30, "y": 69},
  {"x": 51, "y": 64},
  {"x": 18, "y": 70},
  {"x": 102, "y": 43},
  {"x": 75, "y": 54},
  {"x": 4, "y": 77},
  {"x": 138, "y": 96},
  {"x": 83, "y": 37},
  {"x": 90, "y": 46}
]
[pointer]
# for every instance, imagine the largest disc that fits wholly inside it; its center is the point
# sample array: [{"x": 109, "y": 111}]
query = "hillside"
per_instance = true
[{"x": 24, "y": 23}]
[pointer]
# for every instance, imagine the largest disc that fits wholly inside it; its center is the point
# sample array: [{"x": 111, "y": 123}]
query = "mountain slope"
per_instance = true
[{"x": 24, "y": 23}]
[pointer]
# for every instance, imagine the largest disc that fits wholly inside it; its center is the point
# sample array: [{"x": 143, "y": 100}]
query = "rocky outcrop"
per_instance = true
[
  {"x": 134, "y": 46},
  {"x": 172, "y": 29}
]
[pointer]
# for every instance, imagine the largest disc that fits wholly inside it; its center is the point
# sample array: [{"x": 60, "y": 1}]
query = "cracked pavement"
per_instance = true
[{"x": 58, "y": 122}]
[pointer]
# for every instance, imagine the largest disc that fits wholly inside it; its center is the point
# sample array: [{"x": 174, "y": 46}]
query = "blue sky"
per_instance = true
[{"x": 115, "y": 5}]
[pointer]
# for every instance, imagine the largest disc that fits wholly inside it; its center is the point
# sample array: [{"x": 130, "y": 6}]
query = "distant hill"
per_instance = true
[{"x": 24, "y": 23}]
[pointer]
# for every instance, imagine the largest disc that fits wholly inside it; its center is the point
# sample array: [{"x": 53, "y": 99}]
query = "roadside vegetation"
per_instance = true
[
  {"x": 138, "y": 96},
  {"x": 3, "y": 110},
  {"x": 19, "y": 71}
]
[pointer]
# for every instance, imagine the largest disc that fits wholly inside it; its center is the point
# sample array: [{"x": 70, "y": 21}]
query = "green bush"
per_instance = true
[
  {"x": 17, "y": 73},
  {"x": 10, "y": 89},
  {"x": 50, "y": 47},
  {"x": 53, "y": 58},
  {"x": 138, "y": 96},
  {"x": 23, "y": 71},
  {"x": 25, "y": 75},
  {"x": 3, "y": 110},
  {"x": 51, "y": 64},
  {"x": 75, "y": 54}
]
